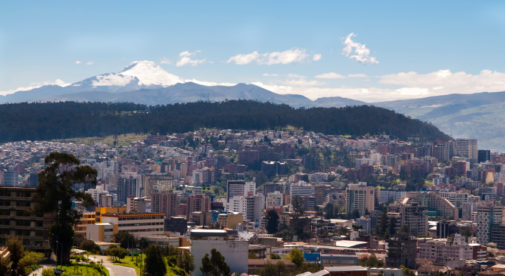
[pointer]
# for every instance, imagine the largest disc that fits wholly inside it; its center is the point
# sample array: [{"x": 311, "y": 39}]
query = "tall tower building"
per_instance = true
[
  {"x": 359, "y": 197},
  {"x": 127, "y": 186},
  {"x": 164, "y": 202},
  {"x": 235, "y": 188},
  {"x": 198, "y": 203},
  {"x": 467, "y": 148},
  {"x": 488, "y": 214}
]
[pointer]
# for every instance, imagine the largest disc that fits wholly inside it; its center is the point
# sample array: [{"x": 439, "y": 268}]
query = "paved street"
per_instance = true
[{"x": 114, "y": 270}]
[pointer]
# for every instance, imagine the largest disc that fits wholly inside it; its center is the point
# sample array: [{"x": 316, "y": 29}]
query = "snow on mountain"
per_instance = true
[
  {"x": 149, "y": 73},
  {"x": 32, "y": 86},
  {"x": 139, "y": 74}
]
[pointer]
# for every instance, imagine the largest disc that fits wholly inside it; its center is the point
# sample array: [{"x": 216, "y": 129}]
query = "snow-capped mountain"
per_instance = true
[
  {"x": 138, "y": 75},
  {"x": 145, "y": 82}
]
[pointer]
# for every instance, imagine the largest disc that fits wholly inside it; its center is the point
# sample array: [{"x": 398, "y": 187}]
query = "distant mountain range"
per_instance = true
[
  {"x": 144, "y": 82},
  {"x": 477, "y": 115}
]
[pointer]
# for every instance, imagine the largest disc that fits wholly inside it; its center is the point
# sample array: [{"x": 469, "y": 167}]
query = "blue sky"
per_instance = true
[{"x": 398, "y": 50}]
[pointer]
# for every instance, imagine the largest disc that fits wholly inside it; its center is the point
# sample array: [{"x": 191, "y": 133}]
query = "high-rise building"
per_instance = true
[
  {"x": 488, "y": 214},
  {"x": 301, "y": 188},
  {"x": 127, "y": 186},
  {"x": 237, "y": 204},
  {"x": 157, "y": 183},
  {"x": 250, "y": 188},
  {"x": 235, "y": 188},
  {"x": 467, "y": 148},
  {"x": 254, "y": 207},
  {"x": 484, "y": 155},
  {"x": 412, "y": 215},
  {"x": 402, "y": 250},
  {"x": 17, "y": 220},
  {"x": 274, "y": 200},
  {"x": 135, "y": 205},
  {"x": 11, "y": 178},
  {"x": 164, "y": 202},
  {"x": 198, "y": 203},
  {"x": 360, "y": 197}
]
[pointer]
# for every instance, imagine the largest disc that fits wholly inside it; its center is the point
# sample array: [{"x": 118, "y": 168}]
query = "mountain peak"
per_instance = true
[{"x": 149, "y": 73}]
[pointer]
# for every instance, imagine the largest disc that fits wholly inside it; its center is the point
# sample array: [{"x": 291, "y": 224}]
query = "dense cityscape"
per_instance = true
[
  {"x": 362, "y": 205},
  {"x": 262, "y": 138}
]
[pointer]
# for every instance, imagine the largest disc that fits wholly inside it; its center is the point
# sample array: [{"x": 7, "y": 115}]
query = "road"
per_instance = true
[{"x": 114, "y": 270}]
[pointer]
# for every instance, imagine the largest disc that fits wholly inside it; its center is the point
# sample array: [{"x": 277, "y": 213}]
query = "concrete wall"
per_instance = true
[{"x": 235, "y": 253}]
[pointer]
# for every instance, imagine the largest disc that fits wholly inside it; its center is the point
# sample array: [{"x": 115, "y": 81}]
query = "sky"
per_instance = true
[{"x": 365, "y": 50}]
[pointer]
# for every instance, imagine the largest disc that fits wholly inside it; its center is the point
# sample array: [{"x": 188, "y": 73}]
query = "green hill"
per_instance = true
[{"x": 45, "y": 121}]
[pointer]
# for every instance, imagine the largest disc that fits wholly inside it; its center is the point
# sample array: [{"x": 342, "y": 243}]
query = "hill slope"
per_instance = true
[
  {"x": 42, "y": 121},
  {"x": 478, "y": 115}
]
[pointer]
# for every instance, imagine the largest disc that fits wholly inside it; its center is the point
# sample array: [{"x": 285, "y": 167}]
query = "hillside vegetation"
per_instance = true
[{"x": 44, "y": 121}]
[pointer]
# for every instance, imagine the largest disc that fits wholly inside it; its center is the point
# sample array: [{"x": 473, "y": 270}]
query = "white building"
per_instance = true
[
  {"x": 234, "y": 251},
  {"x": 301, "y": 188},
  {"x": 237, "y": 204},
  {"x": 137, "y": 224},
  {"x": 135, "y": 204},
  {"x": 487, "y": 215},
  {"x": 100, "y": 232},
  {"x": 250, "y": 188},
  {"x": 274, "y": 200}
]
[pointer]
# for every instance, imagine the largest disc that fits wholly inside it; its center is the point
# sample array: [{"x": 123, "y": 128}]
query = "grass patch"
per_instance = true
[
  {"x": 76, "y": 269},
  {"x": 132, "y": 261},
  {"x": 136, "y": 261}
]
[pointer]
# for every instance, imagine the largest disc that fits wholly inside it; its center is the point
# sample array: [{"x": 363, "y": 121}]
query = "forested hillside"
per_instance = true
[{"x": 43, "y": 121}]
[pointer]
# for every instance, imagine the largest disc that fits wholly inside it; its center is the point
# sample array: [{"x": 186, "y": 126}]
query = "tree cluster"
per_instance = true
[{"x": 44, "y": 121}]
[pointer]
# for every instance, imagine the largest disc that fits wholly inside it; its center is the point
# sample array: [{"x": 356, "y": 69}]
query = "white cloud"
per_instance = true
[
  {"x": 333, "y": 75},
  {"x": 270, "y": 75},
  {"x": 57, "y": 82},
  {"x": 357, "y": 76},
  {"x": 210, "y": 83},
  {"x": 165, "y": 60},
  {"x": 446, "y": 82},
  {"x": 272, "y": 58},
  {"x": 357, "y": 51},
  {"x": 330, "y": 75},
  {"x": 243, "y": 59},
  {"x": 317, "y": 57},
  {"x": 78, "y": 62},
  {"x": 185, "y": 58}
]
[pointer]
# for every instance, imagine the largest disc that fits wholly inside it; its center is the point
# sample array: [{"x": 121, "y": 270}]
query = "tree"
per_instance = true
[
  {"x": 125, "y": 239},
  {"x": 206, "y": 267},
  {"x": 371, "y": 261},
  {"x": 296, "y": 256},
  {"x": 17, "y": 251},
  {"x": 117, "y": 253},
  {"x": 4, "y": 266},
  {"x": 274, "y": 256},
  {"x": 90, "y": 246},
  {"x": 272, "y": 221},
  {"x": 154, "y": 264},
  {"x": 215, "y": 265},
  {"x": 278, "y": 269},
  {"x": 185, "y": 261},
  {"x": 55, "y": 193},
  {"x": 29, "y": 260},
  {"x": 143, "y": 243},
  {"x": 298, "y": 206}
]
